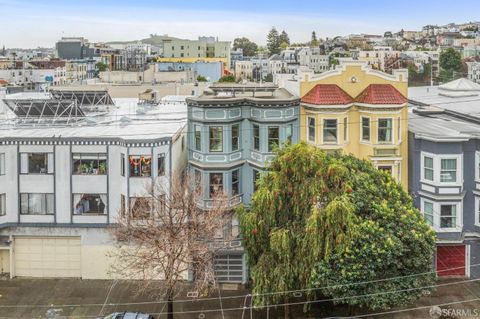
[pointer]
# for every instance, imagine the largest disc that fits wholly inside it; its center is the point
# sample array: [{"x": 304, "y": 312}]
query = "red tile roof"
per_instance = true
[
  {"x": 3, "y": 82},
  {"x": 327, "y": 94},
  {"x": 381, "y": 94}
]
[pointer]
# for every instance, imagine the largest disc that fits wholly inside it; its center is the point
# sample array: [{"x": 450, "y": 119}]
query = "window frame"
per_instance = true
[
  {"x": 140, "y": 158},
  {"x": 345, "y": 129},
  {"x": 3, "y": 204},
  {"x": 237, "y": 137},
  {"x": 437, "y": 169},
  {"x": 74, "y": 204},
  {"x": 362, "y": 128},
  {"x": 161, "y": 170},
  {"x": 122, "y": 164},
  {"x": 289, "y": 133},
  {"x": 235, "y": 184},
  {"x": 392, "y": 129},
  {"x": 210, "y": 185},
  {"x": 2, "y": 164},
  {"x": 270, "y": 146},
  {"x": 197, "y": 141},
  {"x": 220, "y": 138},
  {"x": 326, "y": 128},
  {"x": 49, "y": 157},
  {"x": 74, "y": 172},
  {"x": 256, "y": 137},
  {"x": 432, "y": 214},
  {"x": 46, "y": 197},
  {"x": 437, "y": 214},
  {"x": 311, "y": 129},
  {"x": 477, "y": 210}
]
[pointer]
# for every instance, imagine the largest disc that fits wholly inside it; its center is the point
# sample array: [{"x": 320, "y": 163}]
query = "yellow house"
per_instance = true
[{"x": 361, "y": 111}]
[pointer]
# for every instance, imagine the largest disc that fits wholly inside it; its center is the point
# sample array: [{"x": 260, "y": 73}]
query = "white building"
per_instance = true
[
  {"x": 313, "y": 59},
  {"x": 66, "y": 173},
  {"x": 474, "y": 71}
]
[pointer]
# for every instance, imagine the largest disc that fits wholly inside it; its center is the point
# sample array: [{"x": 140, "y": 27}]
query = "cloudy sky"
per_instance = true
[{"x": 33, "y": 23}]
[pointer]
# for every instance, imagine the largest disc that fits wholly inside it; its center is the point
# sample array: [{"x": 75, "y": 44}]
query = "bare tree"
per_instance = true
[{"x": 163, "y": 236}]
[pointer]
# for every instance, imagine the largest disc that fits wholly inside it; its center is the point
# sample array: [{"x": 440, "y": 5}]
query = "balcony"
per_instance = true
[{"x": 231, "y": 202}]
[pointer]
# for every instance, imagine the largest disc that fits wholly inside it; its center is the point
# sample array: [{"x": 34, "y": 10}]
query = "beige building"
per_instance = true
[{"x": 243, "y": 69}]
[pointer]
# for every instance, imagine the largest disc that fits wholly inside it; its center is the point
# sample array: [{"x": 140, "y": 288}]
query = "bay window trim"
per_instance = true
[
  {"x": 324, "y": 126},
  {"x": 437, "y": 205},
  {"x": 437, "y": 161}
]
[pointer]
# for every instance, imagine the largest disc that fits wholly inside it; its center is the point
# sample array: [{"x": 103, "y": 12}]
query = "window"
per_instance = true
[
  {"x": 216, "y": 183},
  {"x": 345, "y": 129},
  {"x": 448, "y": 216},
  {"x": 36, "y": 163},
  {"x": 448, "y": 170},
  {"x": 198, "y": 181},
  {"x": 273, "y": 137},
  {"x": 384, "y": 130},
  {"x": 235, "y": 137},
  {"x": 386, "y": 168},
  {"x": 36, "y": 204},
  {"x": 2, "y": 163},
  {"x": 94, "y": 204},
  {"x": 428, "y": 168},
  {"x": 311, "y": 129},
  {"x": 198, "y": 137},
  {"x": 256, "y": 176},
  {"x": 89, "y": 164},
  {"x": 161, "y": 164},
  {"x": 3, "y": 205},
  {"x": 122, "y": 164},
  {"x": 235, "y": 182},
  {"x": 140, "y": 207},
  {"x": 122, "y": 205},
  {"x": 428, "y": 212},
  {"x": 330, "y": 131},
  {"x": 140, "y": 166},
  {"x": 399, "y": 133},
  {"x": 216, "y": 139},
  {"x": 256, "y": 137},
  {"x": 289, "y": 133}
]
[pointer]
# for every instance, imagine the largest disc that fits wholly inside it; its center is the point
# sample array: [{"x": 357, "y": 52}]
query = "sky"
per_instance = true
[{"x": 40, "y": 23}]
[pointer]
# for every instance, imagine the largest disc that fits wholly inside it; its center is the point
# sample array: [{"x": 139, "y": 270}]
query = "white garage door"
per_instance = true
[{"x": 47, "y": 257}]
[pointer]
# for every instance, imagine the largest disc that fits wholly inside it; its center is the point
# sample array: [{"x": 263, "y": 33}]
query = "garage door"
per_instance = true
[
  {"x": 229, "y": 268},
  {"x": 451, "y": 260},
  {"x": 47, "y": 257}
]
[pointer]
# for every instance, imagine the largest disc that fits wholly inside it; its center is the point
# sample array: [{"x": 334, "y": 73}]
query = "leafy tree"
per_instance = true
[
  {"x": 321, "y": 220},
  {"x": 450, "y": 60},
  {"x": 249, "y": 48},
  {"x": 201, "y": 78},
  {"x": 268, "y": 77},
  {"x": 101, "y": 67},
  {"x": 227, "y": 79},
  {"x": 273, "y": 41},
  {"x": 284, "y": 45},
  {"x": 314, "y": 42},
  {"x": 284, "y": 38}
]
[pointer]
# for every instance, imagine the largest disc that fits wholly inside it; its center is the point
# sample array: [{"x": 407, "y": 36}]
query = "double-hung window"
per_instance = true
[
  {"x": 288, "y": 133},
  {"x": 428, "y": 168},
  {"x": 365, "y": 129},
  {"x": 216, "y": 184},
  {"x": 235, "y": 182},
  {"x": 448, "y": 170},
  {"x": 428, "y": 212},
  {"x": 161, "y": 164},
  {"x": 448, "y": 216},
  {"x": 273, "y": 137},
  {"x": 198, "y": 137},
  {"x": 330, "y": 135},
  {"x": 311, "y": 129},
  {"x": 235, "y": 137},
  {"x": 36, "y": 204},
  {"x": 256, "y": 137},
  {"x": 384, "y": 130},
  {"x": 441, "y": 169},
  {"x": 216, "y": 139}
]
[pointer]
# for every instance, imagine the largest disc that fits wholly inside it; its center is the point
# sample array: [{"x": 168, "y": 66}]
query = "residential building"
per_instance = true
[
  {"x": 233, "y": 131},
  {"x": 204, "y": 47},
  {"x": 243, "y": 70},
  {"x": 360, "y": 111},
  {"x": 444, "y": 157},
  {"x": 35, "y": 75},
  {"x": 77, "y": 71},
  {"x": 66, "y": 175},
  {"x": 71, "y": 48},
  {"x": 212, "y": 71},
  {"x": 313, "y": 59},
  {"x": 474, "y": 71}
]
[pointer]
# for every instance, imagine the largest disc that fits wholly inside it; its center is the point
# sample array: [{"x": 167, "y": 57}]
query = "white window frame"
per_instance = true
[
  {"x": 437, "y": 160},
  {"x": 477, "y": 166},
  {"x": 477, "y": 210},
  {"x": 3, "y": 204},
  {"x": 422, "y": 209},
  {"x": 436, "y": 215},
  {"x": 392, "y": 132},
  {"x": 387, "y": 165},
  {"x": 314, "y": 129},
  {"x": 369, "y": 129},
  {"x": 2, "y": 164},
  {"x": 345, "y": 130},
  {"x": 324, "y": 119}
]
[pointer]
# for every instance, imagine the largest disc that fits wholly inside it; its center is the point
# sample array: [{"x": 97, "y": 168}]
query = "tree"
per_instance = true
[
  {"x": 284, "y": 38},
  {"x": 314, "y": 42},
  {"x": 450, "y": 62},
  {"x": 165, "y": 235},
  {"x": 320, "y": 219},
  {"x": 201, "y": 78},
  {"x": 101, "y": 67},
  {"x": 268, "y": 77},
  {"x": 249, "y": 48},
  {"x": 273, "y": 44},
  {"x": 227, "y": 79}
]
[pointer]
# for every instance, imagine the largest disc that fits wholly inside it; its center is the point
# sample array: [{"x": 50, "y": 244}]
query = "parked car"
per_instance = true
[{"x": 128, "y": 315}]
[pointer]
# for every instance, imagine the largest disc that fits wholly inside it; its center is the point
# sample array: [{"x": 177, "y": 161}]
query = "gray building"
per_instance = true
[
  {"x": 444, "y": 161},
  {"x": 232, "y": 133},
  {"x": 74, "y": 49}
]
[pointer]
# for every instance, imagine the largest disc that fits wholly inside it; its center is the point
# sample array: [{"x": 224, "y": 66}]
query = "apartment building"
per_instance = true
[
  {"x": 70, "y": 162},
  {"x": 313, "y": 59},
  {"x": 474, "y": 71},
  {"x": 233, "y": 131}
]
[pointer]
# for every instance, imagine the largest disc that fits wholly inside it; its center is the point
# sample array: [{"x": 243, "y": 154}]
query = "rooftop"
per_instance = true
[
  {"x": 381, "y": 94},
  {"x": 124, "y": 121},
  {"x": 327, "y": 94}
]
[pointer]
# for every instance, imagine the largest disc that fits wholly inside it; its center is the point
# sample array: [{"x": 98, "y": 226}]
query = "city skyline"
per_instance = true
[{"x": 37, "y": 25}]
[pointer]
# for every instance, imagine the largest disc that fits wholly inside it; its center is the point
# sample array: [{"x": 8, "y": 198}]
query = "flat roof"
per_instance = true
[{"x": 126, "y": 121}]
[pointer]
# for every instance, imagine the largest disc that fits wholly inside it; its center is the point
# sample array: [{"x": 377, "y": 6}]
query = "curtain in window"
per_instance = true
[{"x": 103, "y": 198}]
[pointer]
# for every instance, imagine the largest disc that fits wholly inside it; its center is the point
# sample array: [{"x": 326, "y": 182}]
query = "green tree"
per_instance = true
[
  {"x": 321, "y": 219},
  {"x": 201, "y": 78},
  {"x": 101, "y": 67},
  {"x": 273, "y": 41},
  {"x": 314, "y": 42},
  {"x": 268, "y": 77},
  {"x": 284, "y": 38},
  {"x": 249, "y": 48},
  {"x": 450, "y": 62},
  {"x": 227, "y": 79}
]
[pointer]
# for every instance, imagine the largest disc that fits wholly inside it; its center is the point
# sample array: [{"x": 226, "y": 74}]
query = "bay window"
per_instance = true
[
  {"x": 198, "y": 137},
  {"x": 216, "y": 139},
  {"x": 235, "y": 137},
  {"x": 448, "y": 216},
  {"x": 311, "y": 129},
  {"x": 36, "y": 204},
  {"x": 289, "y": 133},
  {"x": 441, "y": 169},
  {"x": 216, "y": 184},
  {"x": 256, "y": 137},
  {"x": 273, "y": 137},
  {"x": 235, "y": 182},
  {"x": 94, "y": 204},
  {"x": 366, "y": 129},
  {"x": 448, "y": 170},
  {"x": 428, "y": 168},
  {"x": 428, "y": 212}
]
